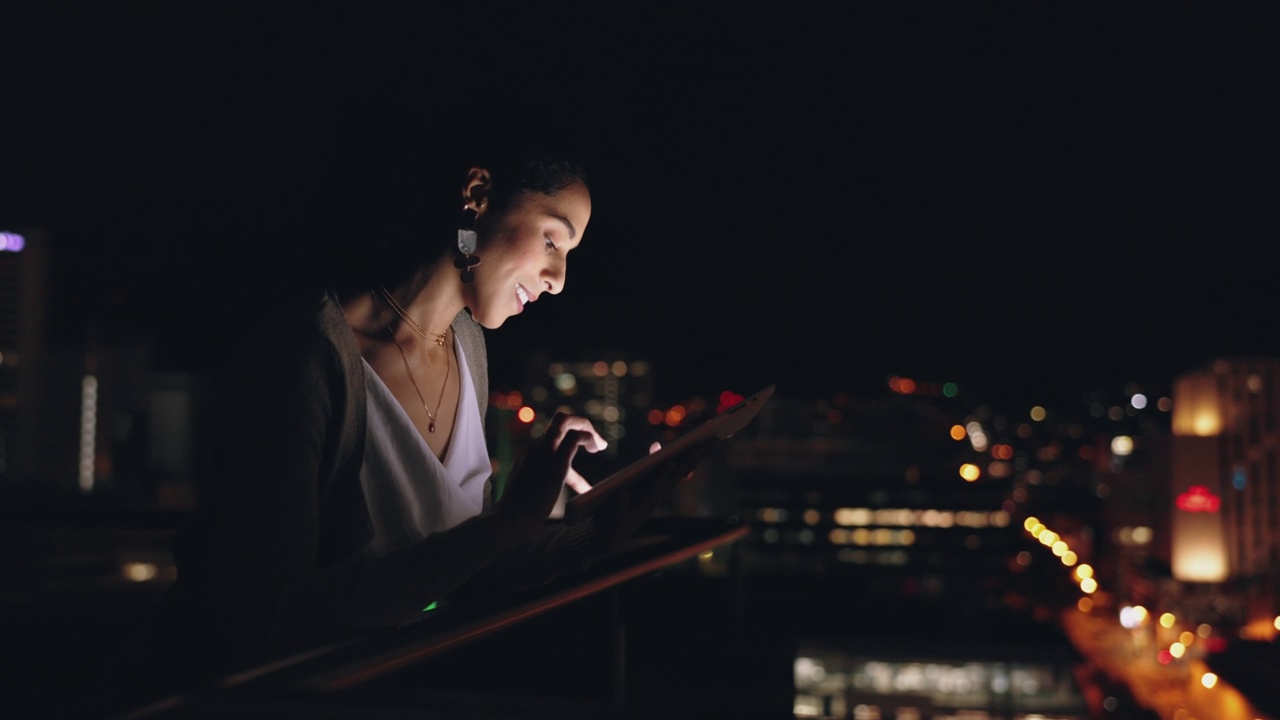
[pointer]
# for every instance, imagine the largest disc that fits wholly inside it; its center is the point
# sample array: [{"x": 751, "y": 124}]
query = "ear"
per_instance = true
[{"x": 475, "y": 192}]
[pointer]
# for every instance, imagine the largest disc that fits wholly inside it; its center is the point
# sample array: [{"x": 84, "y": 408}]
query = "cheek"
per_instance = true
[{"x": 520, "y": 260}]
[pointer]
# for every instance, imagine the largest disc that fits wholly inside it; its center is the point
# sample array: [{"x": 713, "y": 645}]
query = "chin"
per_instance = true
[{"x": 490, "y": 323}]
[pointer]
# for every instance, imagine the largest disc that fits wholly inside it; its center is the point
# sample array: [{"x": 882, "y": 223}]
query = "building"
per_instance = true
[
  {"x": 1225, "y": 472},
  {"x": 92, "y": 418},
  {"x": 891, "y": 488},
  {"x": 23, "y": 285}
]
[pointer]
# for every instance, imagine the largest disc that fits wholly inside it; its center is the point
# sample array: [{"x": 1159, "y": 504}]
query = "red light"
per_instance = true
[
  {"x": 1197, "y": 498},
  {"x": 728, "y": 399},
  {"x": 1165, "y": 657}
]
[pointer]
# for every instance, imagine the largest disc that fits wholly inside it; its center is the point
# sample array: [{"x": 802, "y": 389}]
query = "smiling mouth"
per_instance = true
[{"x": 520, "y": 293}]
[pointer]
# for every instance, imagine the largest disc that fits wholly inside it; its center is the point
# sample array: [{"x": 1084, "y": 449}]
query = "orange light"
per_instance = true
[
  {"x": 525, "y": 414},
  {"x": 970, "y": 472},
  {"x": 958, "y": 432},
  {"x": 901, "y": 385},
  {"x": 675, "y": 415},
  {"x": 1002, "y": 452}
]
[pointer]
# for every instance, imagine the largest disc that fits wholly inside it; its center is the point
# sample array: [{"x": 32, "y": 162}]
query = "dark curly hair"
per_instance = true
[{"x": 541, "y": 172}]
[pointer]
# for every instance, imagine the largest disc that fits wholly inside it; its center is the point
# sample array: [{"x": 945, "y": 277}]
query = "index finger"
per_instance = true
[
  {"x": 576, "y": 482},
  {"x": 562, "y": 423}
]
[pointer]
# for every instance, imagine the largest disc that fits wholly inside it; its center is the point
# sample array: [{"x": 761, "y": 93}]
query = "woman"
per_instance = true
[{"x": 350, "y": 489}]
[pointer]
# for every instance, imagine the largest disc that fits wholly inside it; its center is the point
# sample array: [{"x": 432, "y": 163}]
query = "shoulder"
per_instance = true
[
  {"x": 471, "y": 337},
  {"x": 308, "y": 319},
  {"x": 304, "y": 335}
]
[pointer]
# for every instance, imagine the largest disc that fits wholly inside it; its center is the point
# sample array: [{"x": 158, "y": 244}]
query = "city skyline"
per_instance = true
[{"x": 1030, "y": 201}]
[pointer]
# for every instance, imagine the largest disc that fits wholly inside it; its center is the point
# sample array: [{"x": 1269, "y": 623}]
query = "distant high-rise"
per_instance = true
[
  {"x": 1226, "y": 471},
  {"x": 23, "y": 283}
]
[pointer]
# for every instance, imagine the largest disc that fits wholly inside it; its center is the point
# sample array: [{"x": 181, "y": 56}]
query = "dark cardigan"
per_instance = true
[{"x": 271, "y": 564}]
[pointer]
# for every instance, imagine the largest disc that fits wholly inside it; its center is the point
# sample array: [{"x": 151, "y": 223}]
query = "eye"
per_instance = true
[{"x": 550, "y": 244}]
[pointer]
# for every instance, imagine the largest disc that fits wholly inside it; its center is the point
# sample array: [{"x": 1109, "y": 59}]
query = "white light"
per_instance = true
[
  {"x": 1138, "y": 401},
  {"x": 88, "y": 430},
  {"x": 1122, "y": 445},
  {"x": 808, "y": 669},
  {"x": 854, "y": 516},
  {"x": 139, "y": 571},
  {"x": 1199, "y": 547},
  {"x": 1129, "y": 618}
]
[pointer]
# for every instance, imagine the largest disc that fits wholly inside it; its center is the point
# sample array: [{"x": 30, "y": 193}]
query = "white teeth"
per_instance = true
[{"x": 524, "y": 296}]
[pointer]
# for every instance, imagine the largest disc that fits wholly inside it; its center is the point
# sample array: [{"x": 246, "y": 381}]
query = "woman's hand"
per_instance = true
[
  {"x": 546, "y": 466},
  {"x": 562, "y": 424},
  {"x": 626, "y": 508}
]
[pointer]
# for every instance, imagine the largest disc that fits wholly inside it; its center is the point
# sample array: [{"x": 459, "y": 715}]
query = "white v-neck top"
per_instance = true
[{"x": 411, "y": 493}]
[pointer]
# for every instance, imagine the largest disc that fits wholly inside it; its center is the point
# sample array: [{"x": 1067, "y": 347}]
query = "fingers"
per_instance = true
[
  {"x": 654, "y": 447},
  {"x": 563, "y": 423},
  {"x": 567, "y": 448},
  {"x": 576, "y": 482},
  {"x": 539, "y": 478}
]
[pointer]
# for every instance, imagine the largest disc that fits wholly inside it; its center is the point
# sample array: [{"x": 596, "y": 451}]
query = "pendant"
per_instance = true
[{"x": 431, "y": 427}]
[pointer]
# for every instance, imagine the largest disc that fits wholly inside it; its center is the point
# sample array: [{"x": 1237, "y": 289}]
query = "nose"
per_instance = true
[{"x": 553, "y": 277}]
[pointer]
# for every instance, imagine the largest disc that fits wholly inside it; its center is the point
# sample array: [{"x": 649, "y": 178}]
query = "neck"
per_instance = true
[{"x": 432, "y": 297}]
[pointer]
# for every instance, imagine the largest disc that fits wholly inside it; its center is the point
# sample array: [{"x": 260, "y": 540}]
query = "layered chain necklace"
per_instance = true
[{"x": 426, "y": 335}]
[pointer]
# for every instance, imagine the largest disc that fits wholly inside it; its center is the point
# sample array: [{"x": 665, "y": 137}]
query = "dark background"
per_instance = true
[{"x": 1026, "y": 198}]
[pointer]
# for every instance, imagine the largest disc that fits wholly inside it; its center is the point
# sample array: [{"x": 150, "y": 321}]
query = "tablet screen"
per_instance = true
[{"x": 720, "y": 427}]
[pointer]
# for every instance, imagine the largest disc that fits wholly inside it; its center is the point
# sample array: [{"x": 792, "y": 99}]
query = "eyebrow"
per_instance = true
[{"x": 573, "y": 232}]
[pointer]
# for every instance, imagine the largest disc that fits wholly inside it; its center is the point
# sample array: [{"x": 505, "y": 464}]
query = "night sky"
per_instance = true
[{"x": 1026, "y": 198}]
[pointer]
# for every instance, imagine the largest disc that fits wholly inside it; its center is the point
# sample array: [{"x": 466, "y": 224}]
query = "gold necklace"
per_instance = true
[
  {"x": 431, "y": 418},
  {"x": 426, "y": 334}
]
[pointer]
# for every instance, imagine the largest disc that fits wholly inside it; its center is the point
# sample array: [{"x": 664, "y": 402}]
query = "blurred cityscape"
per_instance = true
[{"x": 929, "y": 555}]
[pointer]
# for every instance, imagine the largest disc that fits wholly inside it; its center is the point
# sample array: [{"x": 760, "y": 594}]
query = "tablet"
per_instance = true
[{"x": 720, "y": 427}]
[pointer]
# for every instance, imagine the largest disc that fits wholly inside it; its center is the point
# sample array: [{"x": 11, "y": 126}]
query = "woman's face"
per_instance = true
[{"x": 524, "y": 252}]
